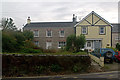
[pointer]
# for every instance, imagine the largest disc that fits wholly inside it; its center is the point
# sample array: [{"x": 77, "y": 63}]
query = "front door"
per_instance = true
[
  {"x": 97, "y": 44},
  {"x": 89, "y": 45}
]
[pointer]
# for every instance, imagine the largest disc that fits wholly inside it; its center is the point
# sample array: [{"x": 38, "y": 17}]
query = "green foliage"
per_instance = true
[
  {"x": 8, "y": 43},
  {"x": 36, "y": 65},
  {"x": 30, "y": 50},
  {"x": 15, "y": 41},
  {"x": 28, "y": 35},
  {"x": 39, "y": 69},
  {"x": 55, "y": 68},
  {"x": 118, "y": 46},
  {"x": 75, "y": 43}
]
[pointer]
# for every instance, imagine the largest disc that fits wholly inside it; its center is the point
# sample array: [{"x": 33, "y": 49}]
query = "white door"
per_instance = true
[
  {"x": 89, "y": 45},
  {"x": 48, "y": 45}
]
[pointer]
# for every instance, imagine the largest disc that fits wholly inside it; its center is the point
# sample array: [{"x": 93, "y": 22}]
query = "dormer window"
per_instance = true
[
  {"x": 102, "y": 30},
  {"x": 36, "y": 33},
  {"x": 62, "y": 33},
  {"x": 48, "y": 33},
  {"x": 84, "y": 30}
]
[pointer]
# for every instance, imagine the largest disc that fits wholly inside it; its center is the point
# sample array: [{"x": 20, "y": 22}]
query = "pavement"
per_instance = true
[{"x": 112, "y": 75}]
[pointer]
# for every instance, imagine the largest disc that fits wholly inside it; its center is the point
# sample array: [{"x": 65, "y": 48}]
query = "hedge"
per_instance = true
[{"x": 43, "y": 65}]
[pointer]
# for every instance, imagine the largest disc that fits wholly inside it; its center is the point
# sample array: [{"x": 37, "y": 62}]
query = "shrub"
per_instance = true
[
  {"x": 49, "y": 51},
  {"x": 75, "y": 43},
  {"x": 39, "y": 69},
  {"x": 30, "y": 50},
  {"x": 55, "y": 68}
]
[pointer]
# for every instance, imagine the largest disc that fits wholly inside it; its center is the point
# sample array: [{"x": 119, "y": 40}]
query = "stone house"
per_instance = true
[
  {"x": 51, "y": 35},
  {"x": 115, "y": 34}
]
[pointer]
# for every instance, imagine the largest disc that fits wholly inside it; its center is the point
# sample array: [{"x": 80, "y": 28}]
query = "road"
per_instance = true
[{"x": 113, "y": 75}]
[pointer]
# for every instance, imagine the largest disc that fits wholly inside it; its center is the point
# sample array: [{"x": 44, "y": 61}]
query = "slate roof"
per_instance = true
[
  {"x": 50, "y": 24},
  {"x": 116, "y": 27}
]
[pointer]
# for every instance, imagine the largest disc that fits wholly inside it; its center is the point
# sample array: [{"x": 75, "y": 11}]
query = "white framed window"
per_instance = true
[
  {"x": 62, "y": 33},
  {"x": 61, "y": 44},
  {"x": 48, "y": 45},
  {"x": 36, "y": 33},
  {"x": 84, "y": 30},
  {"x": 36, "y": 43},
  {"x": 117, "y": 38},
  {"x": 102, "y": 30},
  {"x": 48, "y": 33}
]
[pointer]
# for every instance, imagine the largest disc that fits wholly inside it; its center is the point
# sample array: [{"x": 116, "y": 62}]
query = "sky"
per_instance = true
[{"x": 57, "y": 10}]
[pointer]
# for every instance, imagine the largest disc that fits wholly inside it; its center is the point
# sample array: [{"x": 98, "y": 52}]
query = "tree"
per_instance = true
[
  {"x": 9, "y": 43},
  {"x": 28, "y": 35},
  {"x": 7, "y": 24},
  {"x": 75, "y": 43}
]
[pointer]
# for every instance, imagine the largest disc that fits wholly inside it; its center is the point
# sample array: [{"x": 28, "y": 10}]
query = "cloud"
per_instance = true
[{"x": 57, "y": 11}]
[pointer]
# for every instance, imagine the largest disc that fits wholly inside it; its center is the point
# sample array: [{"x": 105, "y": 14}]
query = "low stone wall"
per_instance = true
[
  {"x": 20, "y": 65},
  {"x": 100, "y": 60}
]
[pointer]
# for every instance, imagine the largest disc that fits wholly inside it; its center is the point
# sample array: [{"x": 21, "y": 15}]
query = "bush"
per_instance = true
[
  {"x": 75, "y": 43},
  {"x": 49, "y": 51},
  {"x": 55, "y": 68},
  {"x": 30, "y": 50},
  {"x": 39, "y": 69},
  {"x": 14, "y": 65}
]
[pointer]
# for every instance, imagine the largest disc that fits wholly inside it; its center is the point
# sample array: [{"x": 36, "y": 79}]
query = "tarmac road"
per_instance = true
[{"x": 113, "y": 75}]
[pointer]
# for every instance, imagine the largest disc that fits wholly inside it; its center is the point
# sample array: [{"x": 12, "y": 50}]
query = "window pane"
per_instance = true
[
  {"x": 36, "y": 43},
  {"x": 102, "y": 30},
  {"x": 49, "y": 33},
  {"x": 62, "y": 33},
  {"x": 84, "y": 30},
  {"x": 36, "y": 33},
  {"x": 61, "y": 44}
]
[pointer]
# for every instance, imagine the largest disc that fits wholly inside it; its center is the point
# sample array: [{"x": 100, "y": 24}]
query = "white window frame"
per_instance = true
[
  {"x": 85, "y": 30},
  {"x": 61, "y": 34},
  {"x": 103, "y": 30},
  {"x": 117, "y": 38},
  {"x": 37, "y": 43},
  {"x": 59, "y": 45},
  {"x": 37, "y": 33},
  {"x": 47, "y": 33}
]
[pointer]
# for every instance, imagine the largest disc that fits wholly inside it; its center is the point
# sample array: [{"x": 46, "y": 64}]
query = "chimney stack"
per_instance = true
[
  {"x": 28, "y": 20},
  {"x": 74, "y": 18}
]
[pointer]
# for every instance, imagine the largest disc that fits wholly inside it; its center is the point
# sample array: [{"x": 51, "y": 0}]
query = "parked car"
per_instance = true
[
  {"x": 117, "y": 56},
  {"x": 107, "y": 53}
]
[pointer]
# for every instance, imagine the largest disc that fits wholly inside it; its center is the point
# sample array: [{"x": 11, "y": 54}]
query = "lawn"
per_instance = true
[{"x": 57, "y": 53}]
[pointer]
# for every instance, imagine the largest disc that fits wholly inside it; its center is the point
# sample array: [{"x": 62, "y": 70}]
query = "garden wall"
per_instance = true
[{"x": 21, "y": 65}]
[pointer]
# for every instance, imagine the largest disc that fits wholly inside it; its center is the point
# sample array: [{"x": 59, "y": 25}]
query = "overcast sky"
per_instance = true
[{"x": 57, "y": 10}]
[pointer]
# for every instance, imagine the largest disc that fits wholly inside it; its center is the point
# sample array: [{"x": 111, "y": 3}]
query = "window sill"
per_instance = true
[
  {"x": 62, "y": 36},
  {"x": 36, "y": 36},
  {"x": 59, "y": 47},
  {"x": 49, "y": 36}
]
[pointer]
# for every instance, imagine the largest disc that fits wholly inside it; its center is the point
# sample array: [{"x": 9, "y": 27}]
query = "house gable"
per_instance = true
[{"x": 93, "y": 19}]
